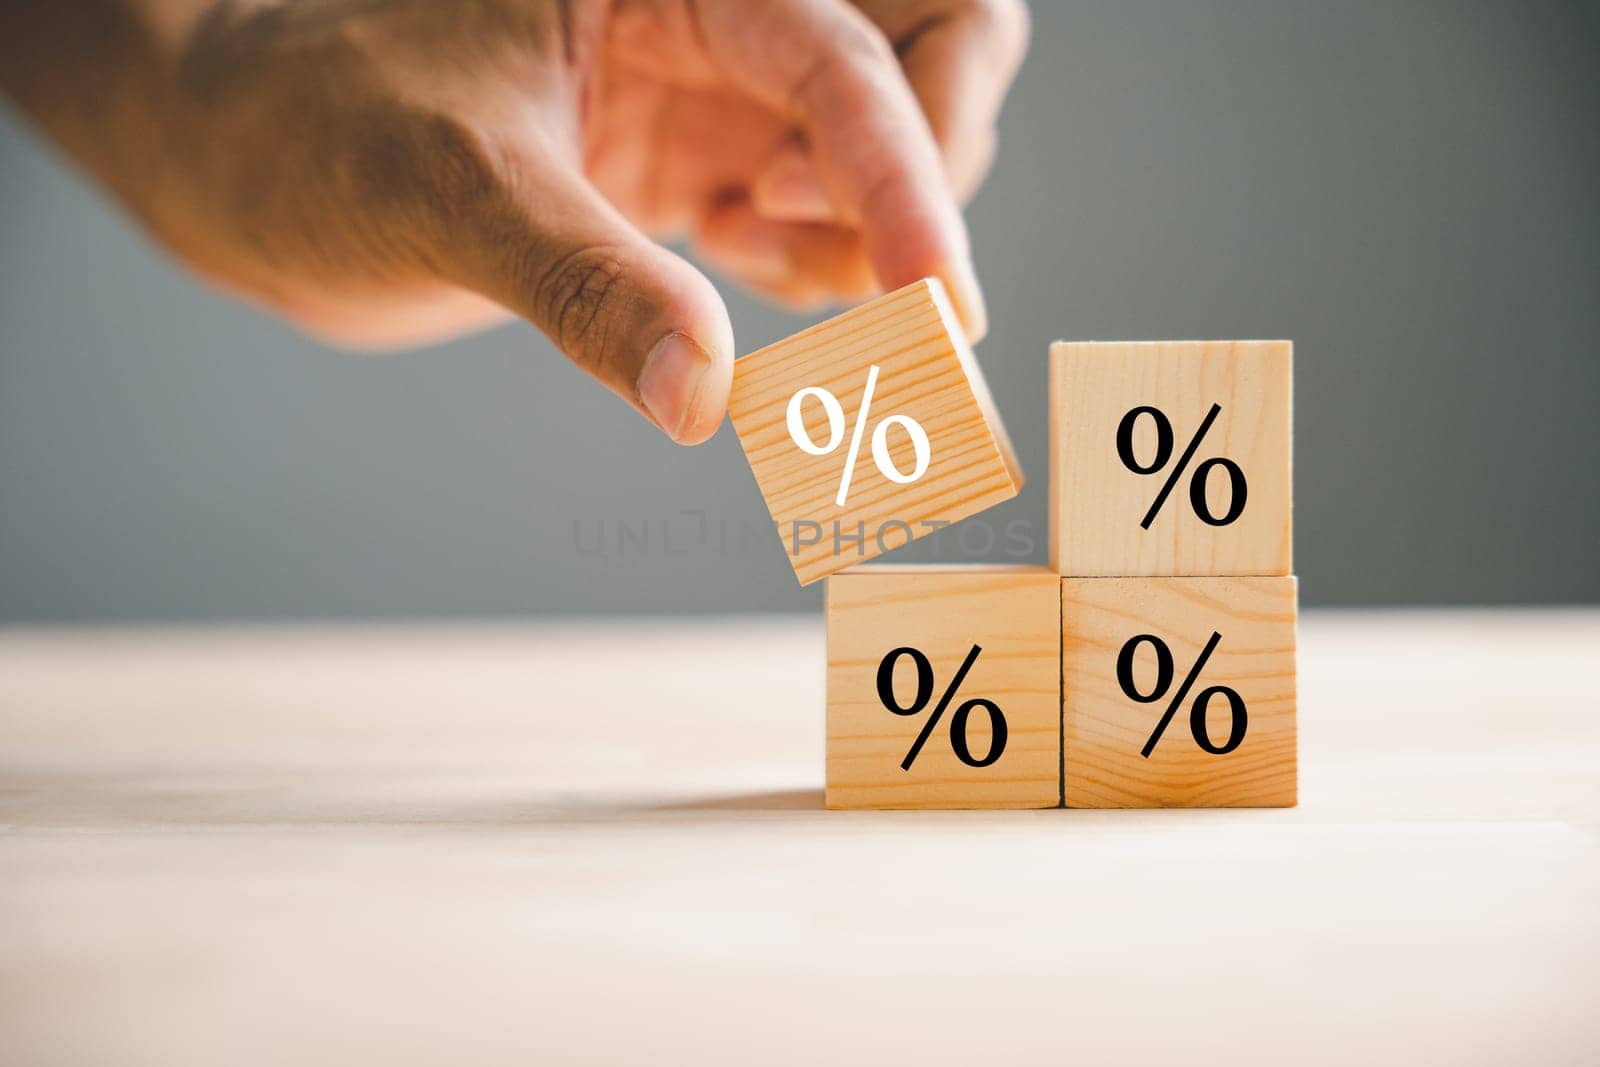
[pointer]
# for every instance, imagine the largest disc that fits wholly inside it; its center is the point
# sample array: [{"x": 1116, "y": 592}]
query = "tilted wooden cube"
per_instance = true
[
  {"x": 1217, "y": 653},
  {"x": 845, "y": 480},
  {"x": 1128, "y": 493},
  {"x": 944, "y": 687}
]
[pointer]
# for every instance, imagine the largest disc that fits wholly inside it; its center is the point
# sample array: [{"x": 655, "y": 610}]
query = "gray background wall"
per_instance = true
[{"x": 1407, "y": 190}]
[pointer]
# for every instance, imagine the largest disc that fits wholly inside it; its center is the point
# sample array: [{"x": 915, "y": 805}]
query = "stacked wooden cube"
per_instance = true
[{"x": 1152, "y": 664}]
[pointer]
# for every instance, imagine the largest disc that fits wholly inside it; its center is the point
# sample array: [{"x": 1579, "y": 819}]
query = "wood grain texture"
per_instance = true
[
  {"x": 1013, "y": 614},
  {"x": 1096, "y": 503},
  {"x": 926, "y": 373},
  {"x": 1103, "y": 730}
]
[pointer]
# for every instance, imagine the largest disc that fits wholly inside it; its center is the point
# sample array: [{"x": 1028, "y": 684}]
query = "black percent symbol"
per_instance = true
[
  {"x": 919, "y": 703},
  {"x": 1197, "y": 711},
  {"x": 1238, "y": 490}
]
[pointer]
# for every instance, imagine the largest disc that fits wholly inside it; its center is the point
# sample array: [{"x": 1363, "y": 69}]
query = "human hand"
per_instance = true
[{"x": 393, "y": 172}]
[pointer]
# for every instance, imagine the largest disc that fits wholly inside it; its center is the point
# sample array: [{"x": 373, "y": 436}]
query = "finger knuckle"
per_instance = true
[
  {"x": 861, "y": 45},
  {"x": 420, "y": 179},
  {"x": 432, "y": 169},
  {"x": 464, "y": 169},
  {"x": 578, "y": 295},
  {"x": 1006, "y": 22},
  {"x": 855, "y": 57},
  {"x": 1017, "y": 23}
]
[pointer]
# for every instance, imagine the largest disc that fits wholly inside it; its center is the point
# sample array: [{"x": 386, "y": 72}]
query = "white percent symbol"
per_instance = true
[{"x": 880, "y": 435}]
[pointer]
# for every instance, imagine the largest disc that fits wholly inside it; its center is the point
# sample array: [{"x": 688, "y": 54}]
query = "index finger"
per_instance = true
[
  {"x": 960, "y": 58},
  {"x": 827, "y": 66}
]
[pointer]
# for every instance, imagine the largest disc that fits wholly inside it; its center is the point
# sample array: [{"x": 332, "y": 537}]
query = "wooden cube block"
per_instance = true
[
  {"x": 1132, "y": 493},
  {"x": 944, "y": 687},
  {"x": 870, "y": 430},
  {"x": 1178, "y": 692}
]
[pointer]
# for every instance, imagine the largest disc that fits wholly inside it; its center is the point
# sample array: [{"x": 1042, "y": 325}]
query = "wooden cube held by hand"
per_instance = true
[{"x": 870, "y": 430}]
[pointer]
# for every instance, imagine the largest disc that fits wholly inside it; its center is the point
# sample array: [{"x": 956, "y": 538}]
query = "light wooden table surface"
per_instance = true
[{"x": 603, "y": 843}]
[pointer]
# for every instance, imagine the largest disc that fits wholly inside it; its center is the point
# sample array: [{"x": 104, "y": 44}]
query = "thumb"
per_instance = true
[{"x": 639, "y": 319}]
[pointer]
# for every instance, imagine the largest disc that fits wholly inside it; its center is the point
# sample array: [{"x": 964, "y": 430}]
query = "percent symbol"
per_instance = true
[
  {"x": 1197, "y": 487},
  {"x": 880, "y": 435},
  {"x": 1197, "y": 711},
  {"x": 958, "y": 722}
]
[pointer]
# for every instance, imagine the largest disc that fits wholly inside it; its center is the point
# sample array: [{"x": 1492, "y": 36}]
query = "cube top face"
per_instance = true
[
  {"x": 1128, "y": 493},
  {"x": 845, "y": 480},
  {"x": 976, "y": 653},
  {"x": 1219, "y": 653}
]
